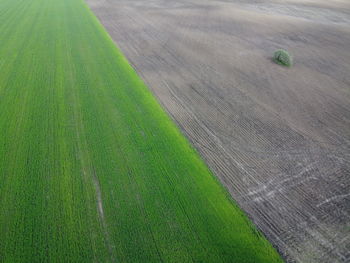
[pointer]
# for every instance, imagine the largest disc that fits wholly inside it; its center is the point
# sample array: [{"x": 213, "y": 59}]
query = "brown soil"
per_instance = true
[{"x": 278, "y": 138}]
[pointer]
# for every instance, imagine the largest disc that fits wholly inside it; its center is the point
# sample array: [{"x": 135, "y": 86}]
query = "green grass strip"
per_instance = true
[{"x": 91, "y": 168}]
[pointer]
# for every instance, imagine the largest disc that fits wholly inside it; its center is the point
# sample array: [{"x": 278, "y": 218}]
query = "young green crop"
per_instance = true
[{"x": 91, "y": 167}]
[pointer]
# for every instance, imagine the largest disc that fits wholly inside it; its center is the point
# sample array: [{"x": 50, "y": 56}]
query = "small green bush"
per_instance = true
[{"x": 282, "y": 57}]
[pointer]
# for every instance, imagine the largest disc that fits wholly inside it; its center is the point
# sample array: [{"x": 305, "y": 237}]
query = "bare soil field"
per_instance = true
[{"x": 278, "y": 138}]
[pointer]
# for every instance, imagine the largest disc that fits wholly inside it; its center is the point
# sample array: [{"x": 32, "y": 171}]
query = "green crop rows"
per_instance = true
[{"x": 91, "y": 167}]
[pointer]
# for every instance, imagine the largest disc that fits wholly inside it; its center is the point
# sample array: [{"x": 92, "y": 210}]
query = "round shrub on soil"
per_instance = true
[{"x": 282, "y": 57}]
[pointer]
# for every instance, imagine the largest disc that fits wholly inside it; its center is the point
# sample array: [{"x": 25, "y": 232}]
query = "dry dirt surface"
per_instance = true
[{"x": 278, "y": 138}]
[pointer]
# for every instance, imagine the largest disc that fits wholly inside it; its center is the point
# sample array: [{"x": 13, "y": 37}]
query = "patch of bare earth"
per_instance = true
[{"x": 278, "y": 138}]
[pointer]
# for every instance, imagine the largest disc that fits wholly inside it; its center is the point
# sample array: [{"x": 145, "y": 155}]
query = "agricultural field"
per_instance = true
[
  {"x": 92, "y": 169},
  {"x": 278, "y": 138}
]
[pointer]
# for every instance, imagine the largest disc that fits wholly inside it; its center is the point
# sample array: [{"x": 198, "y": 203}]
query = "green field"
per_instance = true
[{"x": 91, "y": 168}]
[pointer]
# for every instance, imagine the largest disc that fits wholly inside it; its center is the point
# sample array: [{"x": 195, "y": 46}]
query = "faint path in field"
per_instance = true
[
  {"x": 99, "y": 203},
  {"x": 89, "y": 173},
  {"x": 99, "y": 200},
  {"x": 102, "y": 217}
]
